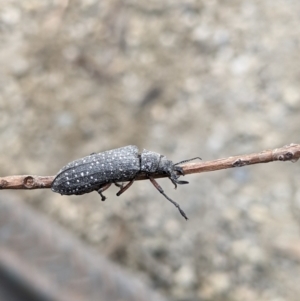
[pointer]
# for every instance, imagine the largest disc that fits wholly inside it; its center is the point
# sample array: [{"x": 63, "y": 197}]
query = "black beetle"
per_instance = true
[{"x": 99, "y": 170}]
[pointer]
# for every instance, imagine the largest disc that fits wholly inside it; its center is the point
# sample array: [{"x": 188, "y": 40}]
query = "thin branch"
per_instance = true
[
  {"x": 26, "y": 182},
  {"x": 287, "y": 153}
]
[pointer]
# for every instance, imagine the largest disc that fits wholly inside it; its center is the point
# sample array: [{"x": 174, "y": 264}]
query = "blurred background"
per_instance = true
[{"x": 182, "y": 78}]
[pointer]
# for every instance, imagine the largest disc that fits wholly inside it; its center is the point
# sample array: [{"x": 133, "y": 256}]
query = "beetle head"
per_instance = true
[{"x": 173, "y": 171}]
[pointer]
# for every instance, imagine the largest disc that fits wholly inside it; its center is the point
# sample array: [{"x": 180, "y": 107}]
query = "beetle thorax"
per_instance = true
[
  {"x": 152, "y": 162},
  {"x": 149, "y": 161}
]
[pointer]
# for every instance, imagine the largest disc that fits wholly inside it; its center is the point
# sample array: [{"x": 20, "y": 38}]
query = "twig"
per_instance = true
[{"x": 287, "y": 153}]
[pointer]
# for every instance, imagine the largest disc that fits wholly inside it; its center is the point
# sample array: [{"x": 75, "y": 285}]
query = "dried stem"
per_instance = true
[{"x": 287, "y": 153}]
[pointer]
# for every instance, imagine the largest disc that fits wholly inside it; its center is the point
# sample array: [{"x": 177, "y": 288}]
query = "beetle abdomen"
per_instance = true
[{"x": 91, "y": 172}]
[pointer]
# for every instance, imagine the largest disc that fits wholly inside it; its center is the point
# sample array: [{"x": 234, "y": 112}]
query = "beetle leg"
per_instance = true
[
  {"x": 125, "y": 187},
  {"x": 119, "y": 185},
  {"x": 100, "y": 190},
  {"x": 158, "y": 187}
]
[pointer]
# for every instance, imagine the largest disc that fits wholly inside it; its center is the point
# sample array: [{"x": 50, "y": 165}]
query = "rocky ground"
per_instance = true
[{"x": 183, "y": 78}]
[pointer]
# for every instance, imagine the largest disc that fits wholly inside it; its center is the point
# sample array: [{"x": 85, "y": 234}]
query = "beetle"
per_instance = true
[{"x": 99, "y": 170}]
